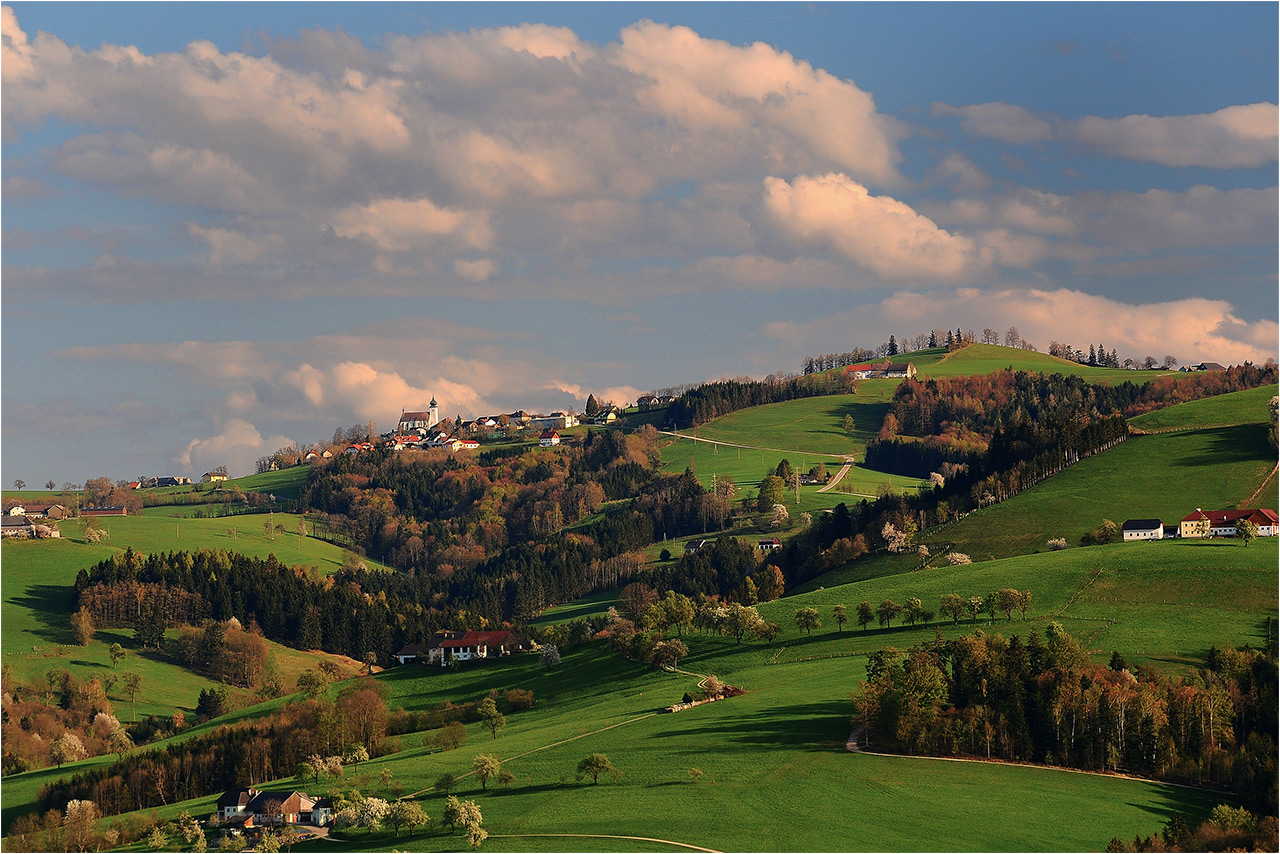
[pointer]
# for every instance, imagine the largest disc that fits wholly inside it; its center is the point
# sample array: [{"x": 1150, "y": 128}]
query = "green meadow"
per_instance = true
[
  {"x": 1238, "y": 407},
  {"x": 978, "y": 359}
]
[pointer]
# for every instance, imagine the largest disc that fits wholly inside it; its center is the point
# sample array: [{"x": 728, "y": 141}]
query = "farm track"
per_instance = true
[
  {"x": 848, "y": 464},
  {"x": 750, "y": 447}
]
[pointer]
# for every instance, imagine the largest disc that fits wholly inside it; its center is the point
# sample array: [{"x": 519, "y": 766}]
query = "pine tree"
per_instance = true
[
  {"x": 592, "y": 407},
  {"x": 933, "y": 338},
  {"x": 893, "y": 346},
  {"x": 1093, "y": 355}
]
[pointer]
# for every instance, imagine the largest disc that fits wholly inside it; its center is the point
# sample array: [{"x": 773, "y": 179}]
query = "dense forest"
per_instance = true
[
  {"x": 1042, "y": 701},
  {"x": 712, "y": 400}
]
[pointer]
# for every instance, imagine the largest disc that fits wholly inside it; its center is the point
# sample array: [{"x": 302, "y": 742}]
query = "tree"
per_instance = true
[
  {"x": 595, "y": 765},
  {"x": 312, "y": 682},
  {"x": 371, "y": 811},
  {"x": 1170, "y": 363},
  {"x": 66, "y": 748},
  {"x": 1008, "y": 600},
  {"x": 841, "y": 615},
  {"x": 82, "y": 627},
  {"x": 592, "y": 408},
  {"x": 493, "y": 719},
  {"x": 19, "y": 484},
  {"x": 866, "y": 614},
  {"x": 807, "y": 619},
  {"x": 771, "y": 491},
  {"x": 77, "y": 825},
  {"x": 505, "y": 779},
  {"x": 406, "y": 814},
  {"x": 887, "y": 610},
  {"x": 1247, "y": 531},
  {"x": 893, "y": 346},
  {"x": 486, "y": 766},
  {"x": 848, "y": 425},
  {"x": 157, "y": 840},
  {"x": 356, "y": 753},
  {"x": 952, "y": 606},
  {"x": 120, "y": 742},
  {"x": 51, "y": 486},
  {"x": 475, "y": 835},
  {"x": 550, "y": 656},
  {"x": 132, "y": 684},
  {"x": 913, "y": 610},
  {"x": 370, "y": 659}
]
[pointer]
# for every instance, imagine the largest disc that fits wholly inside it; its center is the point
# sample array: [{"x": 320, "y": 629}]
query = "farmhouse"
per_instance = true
[
  {"x": 1142, "y": 529},
  {"x": 213, "y": 477},
  {"x": 114, "y": 510},
  {"x": 769, "y": 544},
  {"x": 39, "y": 511},
  {"x": 428, "y": 653},
  {"x": 475, "y": 645},
  {"x": 252, "y": 807},
  {"x": 549, "y": 438},
  {"x": 1223, "y": 523},
  {"x": 17, "y": 526},
  {"x": 903, "y": 370}
]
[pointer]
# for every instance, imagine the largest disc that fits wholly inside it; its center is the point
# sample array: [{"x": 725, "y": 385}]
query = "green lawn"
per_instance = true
[
  {"x": 978, "y": 359},
  {"x": 1238, "y": 407}
]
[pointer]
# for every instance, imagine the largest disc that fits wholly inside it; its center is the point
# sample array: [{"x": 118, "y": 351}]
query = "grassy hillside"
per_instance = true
[
  {"x": 1163, "y": 476},
  {"x": 984, "y": 358},
  {"x": 36, "y": 633},
  {"x": 780, "y": 744},
  {"x": 1238, "y": 407},
  {"x": 1166, "y": 602}
]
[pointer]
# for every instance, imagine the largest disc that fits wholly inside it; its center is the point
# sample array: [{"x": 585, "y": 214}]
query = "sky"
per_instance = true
[{"x": 232, "y": 227}]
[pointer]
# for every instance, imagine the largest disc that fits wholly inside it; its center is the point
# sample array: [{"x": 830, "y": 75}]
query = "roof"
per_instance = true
[
  {"x": 1141, "y": 524},
  {"x": 550, "y": 434},
  {"x": 1211, "y": 366},
  {"x": 416, "y": 649},
  {"x": 471, "y": 639},
  {"x": 291, "y": 801},
  {"x": 414, "y": 416},
  {"x": 7, "y": 521},
  {"x": 236, "y": 797},
  {"x": 898, "y": 366},
  {"x": 1197, "y": 516}
]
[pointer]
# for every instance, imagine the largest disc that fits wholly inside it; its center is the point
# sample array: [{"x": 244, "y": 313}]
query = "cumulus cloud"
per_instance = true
[
  {"x": 397, "y": 224},
  {"x": 231, "y": 246},
  {"x": 1007, "y": 122},
  {"x": 237, "y": 445},
  {"x": 877, "y": 232},
  {"x": 1192, "y": 330},
  {"x": 476, "y": 271},
  {"x": 1233, "y": 137}
]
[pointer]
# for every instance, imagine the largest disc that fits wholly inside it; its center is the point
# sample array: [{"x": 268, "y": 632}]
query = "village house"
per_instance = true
[
  {"x": 476, "y": 645},
  {"x": 213, "y": 477},
  {"x": 769, "y": 544},
  {"x": 549, "y": 438},
  {"x": 1224, "y": 523},
  {"x": 17, "y": 526},
  {"x": 253, "y": 807},
  {"x": 39, "y": 511},
  {"x": 1142, "y": 529},
  {"x": 430, "y": 652}
]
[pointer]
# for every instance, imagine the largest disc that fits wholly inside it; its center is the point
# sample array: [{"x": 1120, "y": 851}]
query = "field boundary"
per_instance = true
[
  {"x": 1262, "y": 486},
  {"x": 692, "y": 438}
]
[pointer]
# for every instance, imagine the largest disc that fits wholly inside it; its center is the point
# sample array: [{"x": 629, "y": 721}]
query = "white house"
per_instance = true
[
  {"x": 549, "y": 438},
  {"x": 1142, "y": 529}
]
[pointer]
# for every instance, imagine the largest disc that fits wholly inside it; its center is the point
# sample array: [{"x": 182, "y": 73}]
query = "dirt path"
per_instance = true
[{"x": 601, "y": 836}]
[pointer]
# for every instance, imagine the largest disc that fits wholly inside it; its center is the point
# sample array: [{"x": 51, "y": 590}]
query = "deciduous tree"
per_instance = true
[
  {"x": 808, "y": 619},
  {"x": 841, "y": 615},
  {"x": 486, "y": 766},
  {"x": 493, "y": 719},
  {"x": 593, "y": 766}
]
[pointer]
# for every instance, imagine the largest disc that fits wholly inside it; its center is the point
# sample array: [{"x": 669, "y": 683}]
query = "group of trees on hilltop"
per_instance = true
[
  {"x": 712, "y": 400},
  {"x": 1042, "y": 701}
]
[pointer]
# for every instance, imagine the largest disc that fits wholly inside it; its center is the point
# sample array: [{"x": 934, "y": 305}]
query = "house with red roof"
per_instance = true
[
  {"x": 476, "y": 645},
  {"x": 549, "y": 438},
  {"x": 1224, "y": 523}
]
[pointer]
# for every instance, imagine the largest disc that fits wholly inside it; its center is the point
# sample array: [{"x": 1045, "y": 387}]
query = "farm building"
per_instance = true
[
  {"x": 474, "y": 645},
  {"x": 1142, "y": 529},
  {"x": 549, "y": 438},
  {"x": 252, "y": 807}
]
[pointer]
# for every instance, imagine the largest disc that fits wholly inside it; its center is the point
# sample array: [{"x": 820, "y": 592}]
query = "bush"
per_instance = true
[
  {"x": 958, "y": 559},
  {"x": 1057, "y": 544},
  {"x": 519, "y": 699}
]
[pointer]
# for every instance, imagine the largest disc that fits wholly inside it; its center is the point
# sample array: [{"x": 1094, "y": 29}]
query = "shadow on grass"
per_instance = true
[
  {"x": 804, "y": 726},
  {"x": 50, "y": 606},
  {"x": 1229, "y": 445}
]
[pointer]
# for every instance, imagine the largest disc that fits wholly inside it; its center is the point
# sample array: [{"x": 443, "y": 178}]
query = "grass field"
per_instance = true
[
  {"x": 1239, "y": 407},
  {"x": 36, "y": 633},
  {"x": 775, "y": 772},
  {"x": 977, "y": 359},
  {"x": 1164, "y": 602}
]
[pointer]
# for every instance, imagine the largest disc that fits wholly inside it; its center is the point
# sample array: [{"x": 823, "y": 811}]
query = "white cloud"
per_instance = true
[
  {"x": 877, "y": 232},
  {"x": 237, "y": 446},
  {"x": 1192, "y": 330},
  {"x": 1233, "y": 137},
  {"x": 1007, "y": 122},
  {"x": 397, "y": 224},
  {"x": 233, "y": 246},
  {"x": 476, "y": 271}
]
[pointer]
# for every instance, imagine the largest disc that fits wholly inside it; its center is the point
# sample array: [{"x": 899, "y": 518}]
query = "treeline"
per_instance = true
[
  {"x": 830, "y": 361},
  {"x": 1042, "y": 701},
  {"x": 711, "y": 400}
]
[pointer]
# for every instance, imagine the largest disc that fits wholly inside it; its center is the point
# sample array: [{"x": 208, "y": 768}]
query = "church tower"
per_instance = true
[{"x": 435, "y": 413}]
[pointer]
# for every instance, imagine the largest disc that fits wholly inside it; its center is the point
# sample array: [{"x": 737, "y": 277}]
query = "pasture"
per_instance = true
[{"x": 1224, "y": 410}]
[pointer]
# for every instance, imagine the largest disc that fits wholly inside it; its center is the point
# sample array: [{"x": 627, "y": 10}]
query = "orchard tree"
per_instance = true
[
  {"x": 356, "y": 753},
  {"x": 550, "y": 656},
  {"x": 866, "y": 614},
  {"x": 1247, "y": 531},
  {"x": 595, "y": 765},
  {"x": 841, "y": 615},
  {"x": 51, "y": 486},
  {"x": 67, "y": 748},
  {"x": 493, "y": 719},
  {"x": 406, "y": 814},
  {"x": 19, "y": 484},
  {"x": 952, "y": 606},
  {"x": 807, "y": 619},
  {"x": 486, "y": 766},
  {"x": 312, "y": 682}
]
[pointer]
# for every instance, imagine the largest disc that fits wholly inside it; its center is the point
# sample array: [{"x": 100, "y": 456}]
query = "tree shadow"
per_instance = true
[
  {"x": 50, "y": 606},
  {"x": 808, "y": 726},
  {"x": 1241, "y": 443}
]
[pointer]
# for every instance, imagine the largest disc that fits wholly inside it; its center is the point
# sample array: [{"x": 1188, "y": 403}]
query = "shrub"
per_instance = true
[
  {"x": 1057, "y": 544},
  {"x": 958, "y": 559}
]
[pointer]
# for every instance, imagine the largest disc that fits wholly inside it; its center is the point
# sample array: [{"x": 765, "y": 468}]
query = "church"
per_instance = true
[{"x": 419, "y": 420}]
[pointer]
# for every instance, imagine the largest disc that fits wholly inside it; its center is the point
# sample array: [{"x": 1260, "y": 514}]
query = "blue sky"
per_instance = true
[{"x": 228, "y": 227}]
